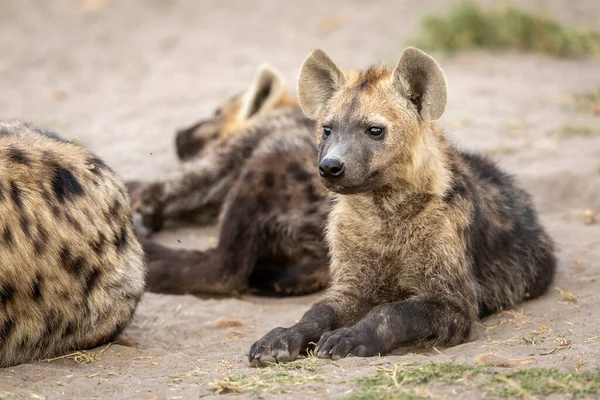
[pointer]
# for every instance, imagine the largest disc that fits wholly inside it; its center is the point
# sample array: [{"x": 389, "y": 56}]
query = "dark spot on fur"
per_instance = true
[
  {"x": 36, "y": 288},
  {"x": 24, "y": 221},
  {"x": 6, "y": 328},
  {"x": 65, "y": 186},
  {"x": 70, "y": 328},
  {"x": 117, "y": 331},
  {"x": 72, "y": 264},
  {"x": 249, "y": 176},
  {"x": 90, "y": 281},
  {"x": 269, "y": 179},
  {"x": 24, "y": 342},
  {"x": 96, "y": 165},
  {"x": 262, "y": 203},
  {"x": 49, "y": 157},
  {"x": 311, "y": 194},
  {"x": 115, "y": 208},
  {"x": 298, "y": 172},
  {"x": 313, "y": 210},
  {"x": 120, "y": 240},
  {"x": 74, "y": 223},
  {"x": 15, "y": 195},
  {"x": 56, "y": 211},
  {"x": 7, "y": 236},
  {"x": 100, "y": 244},
  {"x": 459, "y": 187},
  {"x": 17, "y": 156},
  {"x": 7, "y": 293},
  {"x": 52, "y": 320}
]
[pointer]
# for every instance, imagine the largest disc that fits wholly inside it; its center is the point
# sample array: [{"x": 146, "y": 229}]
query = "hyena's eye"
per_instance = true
[
  {"x": 375, "y": 131},
  {"x": 326, "y": 131}
]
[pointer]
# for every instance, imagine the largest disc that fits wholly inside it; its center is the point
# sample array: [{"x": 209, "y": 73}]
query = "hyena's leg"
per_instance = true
[
  {"x": 201, "y": 189},
  {"x": 227, "y": 268},
  {"x": 223, "y": 270},
  {"x": 285, "y": 344},
  {"x": 419, "y": 321}
]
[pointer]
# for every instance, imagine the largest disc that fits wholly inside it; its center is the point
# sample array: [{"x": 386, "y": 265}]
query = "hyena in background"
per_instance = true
[
  {"x": 253, "y": 161},
  {"x": 424, "y": 238},
  {"x": 71, "y": 269}
]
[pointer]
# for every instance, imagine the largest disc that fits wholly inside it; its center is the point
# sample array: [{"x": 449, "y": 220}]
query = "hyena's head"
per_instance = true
[
  {"x": 371, "y": 123},
  {"x": 267, "y": 92}
]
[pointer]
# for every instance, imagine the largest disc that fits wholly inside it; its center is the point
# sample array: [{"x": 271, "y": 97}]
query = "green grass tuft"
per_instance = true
[
  {"x": 274, "y": 378},
  {"x": 414, "y": 382},
  {"x": 540, "y": 381},
  {"x": 469, "y": 26}
]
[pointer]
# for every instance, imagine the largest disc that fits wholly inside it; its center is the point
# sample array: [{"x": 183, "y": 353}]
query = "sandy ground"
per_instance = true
[{"x": 121, "y": 76}]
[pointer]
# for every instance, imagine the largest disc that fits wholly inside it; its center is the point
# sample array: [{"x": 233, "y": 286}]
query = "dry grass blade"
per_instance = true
[
  {"x": 498, "y": 361},
  {"x": 81, "y": 357},
  {"x": 226, "y": 386},
  {"x": 567, "y": 296}
]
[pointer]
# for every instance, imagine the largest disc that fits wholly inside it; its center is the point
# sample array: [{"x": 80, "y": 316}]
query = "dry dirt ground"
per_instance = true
[{"x": 121, "y": 76}]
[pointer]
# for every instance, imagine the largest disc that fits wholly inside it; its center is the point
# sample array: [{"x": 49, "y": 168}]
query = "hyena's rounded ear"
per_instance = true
[
  {"x": 319, "y": 79},
  {"x": 419, "y": 78},
  {"x": 267, "y": 89}
]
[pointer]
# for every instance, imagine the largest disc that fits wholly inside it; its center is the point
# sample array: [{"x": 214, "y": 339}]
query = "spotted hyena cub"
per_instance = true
[
  {"x": 71, "y": 269},
  {"x": 424, "y": 238},
  {"x": 252, "y": 162}
]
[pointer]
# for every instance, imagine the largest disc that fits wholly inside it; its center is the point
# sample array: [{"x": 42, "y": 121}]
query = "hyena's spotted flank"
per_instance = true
[
  {"x": 424, "y": 238},
  {"x": 253, "y": 161},
  {"x": 71, "y": 269}
]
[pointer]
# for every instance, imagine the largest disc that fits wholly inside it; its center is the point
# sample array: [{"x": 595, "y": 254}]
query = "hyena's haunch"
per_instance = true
[
  {"x": 424, "y": 238},
  {"x": 251, "y": 163},
  {"x": 71, "y": 269}
]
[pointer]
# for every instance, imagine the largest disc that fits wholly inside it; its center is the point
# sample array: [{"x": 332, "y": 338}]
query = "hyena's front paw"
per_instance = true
[
  {"x": 147, "y": 206},
  {"x": 279, "y": 345},
  {"x": 345, "y": 342}
]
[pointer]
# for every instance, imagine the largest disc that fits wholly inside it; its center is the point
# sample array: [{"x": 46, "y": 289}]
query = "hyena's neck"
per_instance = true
[{"x": 428, "y": 170}]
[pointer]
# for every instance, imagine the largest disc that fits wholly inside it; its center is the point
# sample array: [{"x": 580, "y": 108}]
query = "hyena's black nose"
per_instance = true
[
  {"x": 183, "y": 138},
  {"x": 331, "y": 168}
]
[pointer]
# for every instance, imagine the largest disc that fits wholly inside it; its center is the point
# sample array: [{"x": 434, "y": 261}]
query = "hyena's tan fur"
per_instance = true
[
  {"x": 424, "y": 239},
  {"x": 71, "y": 269},
  {"x": 250, "y": 162}
]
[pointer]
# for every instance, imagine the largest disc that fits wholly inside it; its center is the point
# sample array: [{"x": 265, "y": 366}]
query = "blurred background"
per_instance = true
[{"x": 122, "y": 75}]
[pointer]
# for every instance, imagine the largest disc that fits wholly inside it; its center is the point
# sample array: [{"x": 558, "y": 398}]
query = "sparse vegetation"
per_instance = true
[
  {"x": 469, "y": 26},
  {"x": 588, "y": 101},
  {"x": 569, "y": 131},
  {"x": 275, "y": 378},
  {"x": 502, "y": 150},
  {"x": 540, "y": 381},
  {"x": 409, "y": 381}
]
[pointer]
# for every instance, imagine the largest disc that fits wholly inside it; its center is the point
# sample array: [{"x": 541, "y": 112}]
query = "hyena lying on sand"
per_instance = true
[
  {"x": 424, "y": 238},
  {"x": 71, "y": 269},
  {"x": 252, "y": 162}
]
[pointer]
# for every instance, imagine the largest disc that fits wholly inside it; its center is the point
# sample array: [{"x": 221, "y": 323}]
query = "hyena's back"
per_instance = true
[
  {"x": 512, "y": 256},
  {"x": 71, "y": 269}
]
